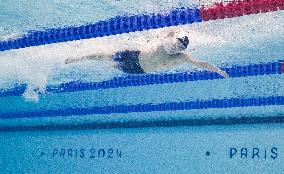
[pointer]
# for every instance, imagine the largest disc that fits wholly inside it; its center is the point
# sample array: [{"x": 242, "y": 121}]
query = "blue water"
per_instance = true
[{"x": 239, "y": 41}]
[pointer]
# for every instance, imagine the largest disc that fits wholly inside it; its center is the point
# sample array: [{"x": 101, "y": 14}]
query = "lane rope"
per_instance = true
[
  {"x": 152, "y": 79},
  {"x": 126, "y": 24},
  {"x": 150, "y": 107}
]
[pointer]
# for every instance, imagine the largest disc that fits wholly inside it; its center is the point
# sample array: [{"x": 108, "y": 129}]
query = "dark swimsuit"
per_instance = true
[{"x": 128, "y": 62}]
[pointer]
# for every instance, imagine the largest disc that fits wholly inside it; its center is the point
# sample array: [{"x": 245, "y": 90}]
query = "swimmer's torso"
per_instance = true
[{"x": 159, "y": 59}]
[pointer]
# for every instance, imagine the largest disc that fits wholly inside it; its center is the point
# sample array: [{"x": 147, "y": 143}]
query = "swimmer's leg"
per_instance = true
[
  {"x": 94, "y": 57},
  {"x": 206, "y": 66},
  {"x": 89, "y": 57}
]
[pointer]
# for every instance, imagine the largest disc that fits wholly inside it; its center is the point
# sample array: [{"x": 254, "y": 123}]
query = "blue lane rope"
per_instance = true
[
  {"x": 151, "y": 79},
  {"x": 113, "y": 26},
  {"x": 126, "y": 24},
  {"x": 149, "y": 107}
]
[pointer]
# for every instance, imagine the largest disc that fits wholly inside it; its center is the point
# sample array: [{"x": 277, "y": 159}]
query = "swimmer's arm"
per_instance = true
[
  {"x": 206, "y": 65},
  {"x": 89, "y": 57}
]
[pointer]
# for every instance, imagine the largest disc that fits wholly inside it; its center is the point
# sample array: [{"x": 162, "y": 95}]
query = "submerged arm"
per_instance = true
[{"x": 206, "y": 65}]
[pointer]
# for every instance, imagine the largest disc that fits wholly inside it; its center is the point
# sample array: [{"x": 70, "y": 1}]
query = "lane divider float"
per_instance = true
[{"x": 126, "y": 24}]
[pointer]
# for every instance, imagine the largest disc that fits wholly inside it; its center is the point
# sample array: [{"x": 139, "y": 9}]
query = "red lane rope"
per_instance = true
[{"x": 239, "y": 8}]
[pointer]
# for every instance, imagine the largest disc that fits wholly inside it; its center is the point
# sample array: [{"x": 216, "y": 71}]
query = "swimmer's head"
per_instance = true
[{"x": 175, "y": 42}]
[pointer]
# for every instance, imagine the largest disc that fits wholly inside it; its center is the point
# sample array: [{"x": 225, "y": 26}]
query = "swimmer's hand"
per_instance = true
[
  {"x": 207, "y": 66},
  {"x": 223, "y": 73}
]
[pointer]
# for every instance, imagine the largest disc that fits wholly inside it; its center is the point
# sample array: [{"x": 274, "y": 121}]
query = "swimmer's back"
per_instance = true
[{"x": 159, "y": 60}]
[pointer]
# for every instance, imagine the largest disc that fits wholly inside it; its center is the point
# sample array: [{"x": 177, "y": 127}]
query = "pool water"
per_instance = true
[{"x": 38, "y": 91}]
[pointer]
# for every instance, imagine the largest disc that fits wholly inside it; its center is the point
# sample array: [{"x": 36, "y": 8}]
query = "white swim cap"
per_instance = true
[{"x": 175, "y": 42}]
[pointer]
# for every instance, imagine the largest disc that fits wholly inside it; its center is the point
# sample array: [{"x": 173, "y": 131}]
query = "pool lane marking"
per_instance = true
[{"x": 227, "y": 121}]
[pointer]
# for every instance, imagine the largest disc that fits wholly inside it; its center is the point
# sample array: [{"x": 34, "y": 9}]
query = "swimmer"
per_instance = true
[{"x": 166, "y": 55}]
